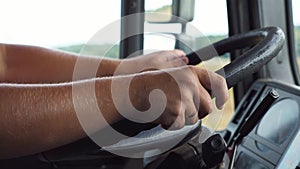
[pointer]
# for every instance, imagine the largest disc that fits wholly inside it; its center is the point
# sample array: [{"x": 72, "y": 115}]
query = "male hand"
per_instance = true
[
  {"x": 163, "y": 59},
  {"x": 186, "y": 92},
  {"x": 153, "y": 61}
]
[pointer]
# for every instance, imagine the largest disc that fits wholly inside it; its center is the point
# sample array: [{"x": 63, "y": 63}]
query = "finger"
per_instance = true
[
  {"x": 179, "y": 62},
  {"x": 181, "y": 55},
  {"x": 184, "y": 59},
  {"x": 191, "y": 115},
  {"x": 173, "y": 119},
  {"x": 179, "y": 122},
  {"x": 205, "y": 102},
  {"x": 221, "y": 92},
  {"x": 215, "y": 83}
]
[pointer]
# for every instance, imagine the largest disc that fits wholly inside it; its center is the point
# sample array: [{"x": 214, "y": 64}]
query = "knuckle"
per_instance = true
[
  {"x": 207, "y": 104},
  {"x": 207, "y": 101},
  {"x": 174, "y": 110},
  {"x": 175, "y": 113}
]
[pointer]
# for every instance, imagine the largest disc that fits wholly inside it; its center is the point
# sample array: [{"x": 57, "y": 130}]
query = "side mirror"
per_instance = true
[{"x": 169, "y": 11}]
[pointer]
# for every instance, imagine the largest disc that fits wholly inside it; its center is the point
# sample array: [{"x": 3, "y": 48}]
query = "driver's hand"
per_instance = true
[
  {"x": 186, "y": 90},
  {"x": 153, "y": 61},
  {"x": 163, "y": 59}
]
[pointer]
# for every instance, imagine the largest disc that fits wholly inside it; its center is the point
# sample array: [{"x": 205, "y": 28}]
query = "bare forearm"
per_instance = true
[
  {"x": 35, "y": 118},
  {"x": 41, "y": 117},
  {"x": 29, "y": 64}
]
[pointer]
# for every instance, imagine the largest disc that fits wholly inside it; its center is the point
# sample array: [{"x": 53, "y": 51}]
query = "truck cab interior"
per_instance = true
[{"x": 253, "y": 44}]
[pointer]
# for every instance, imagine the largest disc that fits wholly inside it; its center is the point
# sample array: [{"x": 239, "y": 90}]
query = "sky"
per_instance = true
[
  {"x": 63, "y": 22},
  {"x": 296, "y": 11},
  {"x": 50, "y": 22}
]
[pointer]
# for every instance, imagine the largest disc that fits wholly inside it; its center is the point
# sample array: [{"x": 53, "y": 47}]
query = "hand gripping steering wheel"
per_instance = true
[{"x": 264, "y": 45}]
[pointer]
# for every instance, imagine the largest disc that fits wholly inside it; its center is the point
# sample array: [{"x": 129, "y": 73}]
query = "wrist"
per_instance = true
[
  {"x": 139, "y": 91},
  {"x": 115, "y": 95},
  {"x": 127, "y": 66},
  {"x": 107, "y": 67},
  {"x": 105, "y": 99}
]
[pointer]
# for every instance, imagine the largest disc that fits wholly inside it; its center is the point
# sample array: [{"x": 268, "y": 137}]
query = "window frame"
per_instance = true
[
  {"x": 291, "y": 41},
  {"x": 132, "y": 44}
]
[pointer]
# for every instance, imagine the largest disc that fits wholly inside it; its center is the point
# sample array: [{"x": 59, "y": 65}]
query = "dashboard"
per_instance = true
[{"x": 275, "y": 141}]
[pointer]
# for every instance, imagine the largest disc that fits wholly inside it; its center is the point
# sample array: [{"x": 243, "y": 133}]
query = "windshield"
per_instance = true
[{"x": 57, "y": 24}]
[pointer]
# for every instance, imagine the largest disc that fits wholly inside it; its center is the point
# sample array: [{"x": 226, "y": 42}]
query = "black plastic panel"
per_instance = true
[{"x": 271, "y": 138}]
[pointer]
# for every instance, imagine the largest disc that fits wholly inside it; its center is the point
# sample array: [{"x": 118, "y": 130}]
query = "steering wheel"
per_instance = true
[
  {"x": 266, "y": 42},
  {"x": 264, "y": 45}
]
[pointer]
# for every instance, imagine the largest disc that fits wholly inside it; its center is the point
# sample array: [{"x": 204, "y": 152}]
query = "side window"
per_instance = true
[
  {"x": 65, "y": 25},
  {"x": 210, "y": 24},
  {"x": 296, "y": 17}
]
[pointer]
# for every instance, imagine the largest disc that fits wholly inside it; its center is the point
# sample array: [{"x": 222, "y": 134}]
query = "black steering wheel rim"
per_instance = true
[{"x": 267, "y": 43}]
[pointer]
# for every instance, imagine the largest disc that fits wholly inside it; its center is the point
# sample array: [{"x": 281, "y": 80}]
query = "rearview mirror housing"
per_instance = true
[{"x": 178, "y": 11}]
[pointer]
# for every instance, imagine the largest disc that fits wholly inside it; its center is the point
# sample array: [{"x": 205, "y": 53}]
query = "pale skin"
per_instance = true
[{"x": 36, "y": 103}]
